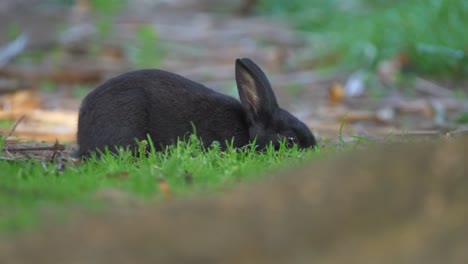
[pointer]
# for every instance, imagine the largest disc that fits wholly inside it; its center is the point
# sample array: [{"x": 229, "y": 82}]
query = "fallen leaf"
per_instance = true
[
  {"x": 165, "y": 189},
  {"x": 335, "y": 93}
]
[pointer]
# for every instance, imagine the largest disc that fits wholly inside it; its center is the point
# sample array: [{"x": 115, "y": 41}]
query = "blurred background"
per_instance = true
[{"x": 356, "y": 68}]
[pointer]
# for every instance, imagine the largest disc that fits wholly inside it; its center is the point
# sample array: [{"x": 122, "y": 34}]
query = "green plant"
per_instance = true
[
  {"x": 295, "y": 90},
  {"x": 147, "y": 51},
  {"x": 48, "y": 86},
  {"x": 13, "y": 30},
  {"x": 6, "y": 123},
  {"x": 462, "y": 118},
  {"x": 362, "y": 33},
  {"x": 27, "y": 187},
  {"x": 105, "y": 12},
  {"x": 80, "y": 91}
]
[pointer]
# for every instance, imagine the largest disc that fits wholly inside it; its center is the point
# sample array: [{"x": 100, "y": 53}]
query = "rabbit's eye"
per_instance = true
[{"x": 290, "y": 141}]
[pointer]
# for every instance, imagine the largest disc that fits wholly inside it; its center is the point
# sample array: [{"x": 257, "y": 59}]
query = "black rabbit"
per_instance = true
[{"x": 167, "y": 106}]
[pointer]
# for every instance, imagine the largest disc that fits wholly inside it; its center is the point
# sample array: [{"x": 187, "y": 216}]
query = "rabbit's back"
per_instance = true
[
  {"x": 160, "y": 104},
  {"x": 150, "y": 81}
]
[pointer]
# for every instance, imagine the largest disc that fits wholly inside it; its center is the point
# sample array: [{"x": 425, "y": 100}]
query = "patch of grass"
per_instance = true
[
  {"x": 105, "y": 11},
  {"x": 460, "y": 94},
  {"x": 462, "y": 118},
  {"x": 48, "y": 86},
  {"x": 360, "y": 33},
  {"x": 81, "y": 90},
  {"x": 28, "y": 187},
  {"x": 6, "y": 123},
  {"x": 295, "y": 90},
  {"x": 107, "y": 7},
  {"x": 13, "y": 30}
]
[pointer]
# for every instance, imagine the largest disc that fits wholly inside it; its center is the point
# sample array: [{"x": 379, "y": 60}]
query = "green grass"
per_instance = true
[
  {"x": 27, "y": 188},
  {"x": 6, "y": 123},
  {"x": 361, "y": 33}
]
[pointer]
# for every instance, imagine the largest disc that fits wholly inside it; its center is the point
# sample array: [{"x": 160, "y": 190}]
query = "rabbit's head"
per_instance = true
[{"x": 266, "y": 120}]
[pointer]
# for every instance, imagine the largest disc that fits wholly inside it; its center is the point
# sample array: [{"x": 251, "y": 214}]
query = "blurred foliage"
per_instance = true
[
  {"x": 13, "y": 31},
  {"x": 109, "y": 7},
  {"x": 105, "y": 11},
  {"x": 60, "y": 2},
  {"x": 295, "y": 90},
  {"x": 48, "y": 86},
  {"x": 460, "y": 94},
  {"x": 81, "y": 90},
  {"x": 462, "y": 118},
  {"x": 432, "y": 34},
  {"x": 146, "y": 52},
  {"x": 6, "y": 124}
]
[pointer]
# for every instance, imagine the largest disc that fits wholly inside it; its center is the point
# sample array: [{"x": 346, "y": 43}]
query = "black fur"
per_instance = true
[{"x": 165, "y": 106}]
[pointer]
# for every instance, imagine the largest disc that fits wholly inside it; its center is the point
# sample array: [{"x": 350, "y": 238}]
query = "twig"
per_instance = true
[
  {"x": 14, "y": 127},
  {"x": 431, "y": 88},
  {"x": 5, "y": 150},
  {"x": 55, "y": 147}
]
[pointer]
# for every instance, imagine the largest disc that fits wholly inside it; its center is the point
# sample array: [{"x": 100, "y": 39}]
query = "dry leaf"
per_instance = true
[
  {"x": 165, "y": 189},
  {"x": 335, "y": 93}
]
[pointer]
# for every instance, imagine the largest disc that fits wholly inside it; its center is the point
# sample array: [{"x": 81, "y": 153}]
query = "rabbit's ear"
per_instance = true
[{"x": 255, "y": 91}]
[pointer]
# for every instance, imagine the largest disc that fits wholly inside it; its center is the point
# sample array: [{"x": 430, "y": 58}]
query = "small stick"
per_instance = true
[
  {"x": 55, "y": 147},
  {"x": 5, "y": 149},
  {"x": 14, "y": 126}
]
